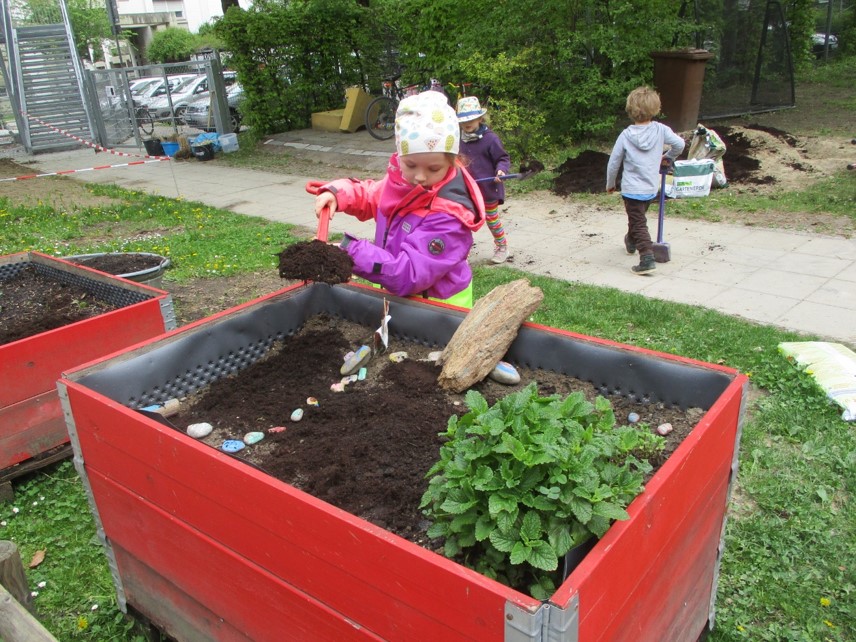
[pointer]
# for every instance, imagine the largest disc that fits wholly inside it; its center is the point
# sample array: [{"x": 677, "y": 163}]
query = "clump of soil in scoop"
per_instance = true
[
  {"x": 365, "y": 450},
  {"x": 315, "y": 261},
  {"x": 32, "y": 303},
  {"x": 119, "y": 262}
]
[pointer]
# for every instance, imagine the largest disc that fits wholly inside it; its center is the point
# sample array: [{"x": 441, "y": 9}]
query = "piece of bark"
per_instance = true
[{"x": 486, "y": 333}]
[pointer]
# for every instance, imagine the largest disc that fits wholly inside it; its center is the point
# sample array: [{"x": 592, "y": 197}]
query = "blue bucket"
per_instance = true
[{"x": 170, "y": 149}]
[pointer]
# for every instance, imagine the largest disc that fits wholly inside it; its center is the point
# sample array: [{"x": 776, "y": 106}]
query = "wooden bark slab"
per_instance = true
[{"x": 486, "y": 333}]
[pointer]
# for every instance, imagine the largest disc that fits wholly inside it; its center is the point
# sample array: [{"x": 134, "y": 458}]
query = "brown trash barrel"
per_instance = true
[{"x": 678, "y": 78}]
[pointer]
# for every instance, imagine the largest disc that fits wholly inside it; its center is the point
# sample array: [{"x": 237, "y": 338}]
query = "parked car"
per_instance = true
[
  {"x": 158, "y": 88},
  {"x": 200, "y": 116},
  {"x": 818, "y": 43},
  {"x": 182, "y": 95}
]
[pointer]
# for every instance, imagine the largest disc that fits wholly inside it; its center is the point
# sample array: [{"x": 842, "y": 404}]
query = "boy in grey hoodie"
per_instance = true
[{"x": 639, "y": 150}]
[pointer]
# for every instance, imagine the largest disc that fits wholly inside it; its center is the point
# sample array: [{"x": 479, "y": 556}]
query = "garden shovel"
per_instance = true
[
  {"x": 313, "y": 187},
  {"x": 662, "y": 251}
]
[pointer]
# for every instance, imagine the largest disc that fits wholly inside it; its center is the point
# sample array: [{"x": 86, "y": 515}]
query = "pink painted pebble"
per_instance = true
[
  {"x": 664, "y": 429},
  {"x": 276, "y": 429}
]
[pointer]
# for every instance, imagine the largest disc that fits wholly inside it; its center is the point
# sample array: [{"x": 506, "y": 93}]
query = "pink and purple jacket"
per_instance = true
[{"x": 422, "y": 235}]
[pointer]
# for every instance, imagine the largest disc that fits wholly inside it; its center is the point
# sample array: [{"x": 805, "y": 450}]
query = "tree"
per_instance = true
[
  {"x": 171, "y": 45},
  {"x": 89, "y": 24}
]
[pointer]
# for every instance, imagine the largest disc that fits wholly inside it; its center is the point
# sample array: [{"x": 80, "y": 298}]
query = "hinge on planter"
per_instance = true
[
  {"x": 168, "y": 313},
  {"x": 549, "y": 623}
]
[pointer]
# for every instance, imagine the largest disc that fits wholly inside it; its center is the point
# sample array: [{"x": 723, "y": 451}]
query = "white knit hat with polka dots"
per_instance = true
[{"x": 426, "y": 123}]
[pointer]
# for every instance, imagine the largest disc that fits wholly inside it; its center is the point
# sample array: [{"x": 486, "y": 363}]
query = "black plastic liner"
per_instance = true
[{"x": 179, "y": 365}]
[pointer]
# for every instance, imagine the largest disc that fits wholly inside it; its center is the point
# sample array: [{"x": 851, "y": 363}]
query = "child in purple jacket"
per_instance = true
[
  {"x": 425, "y": 209},
  {"x": 485, "y": 157}
]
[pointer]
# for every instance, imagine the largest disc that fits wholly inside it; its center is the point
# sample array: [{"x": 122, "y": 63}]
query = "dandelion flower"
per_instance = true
[{"x": 825, "y": 601}]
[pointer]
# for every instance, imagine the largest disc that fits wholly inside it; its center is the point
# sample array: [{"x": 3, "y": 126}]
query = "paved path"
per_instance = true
[{"x": 798, "y": 281}]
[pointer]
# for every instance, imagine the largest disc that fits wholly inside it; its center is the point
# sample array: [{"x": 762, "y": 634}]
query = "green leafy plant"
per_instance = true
[{"x": 522, "y": 482}]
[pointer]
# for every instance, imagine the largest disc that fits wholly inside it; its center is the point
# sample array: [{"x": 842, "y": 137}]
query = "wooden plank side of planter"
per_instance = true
[
  {"x": 373, "y": 578},
  {"x": 32, "y": 365},
  {"x": 223, "y": 595},
  {"x": 650, "y": 577},
  {"x": 30, "y": 427}
]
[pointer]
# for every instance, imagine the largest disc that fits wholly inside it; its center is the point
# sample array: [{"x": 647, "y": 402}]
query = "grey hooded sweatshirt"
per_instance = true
[{"x": 640, "y": 148}]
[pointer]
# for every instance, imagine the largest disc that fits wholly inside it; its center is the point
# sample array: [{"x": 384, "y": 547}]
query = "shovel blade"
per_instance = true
[{"x": 662, "y": 252}]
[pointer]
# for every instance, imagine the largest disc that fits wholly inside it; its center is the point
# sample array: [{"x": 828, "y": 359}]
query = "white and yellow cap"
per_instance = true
[{"x": 426, "y": 123}]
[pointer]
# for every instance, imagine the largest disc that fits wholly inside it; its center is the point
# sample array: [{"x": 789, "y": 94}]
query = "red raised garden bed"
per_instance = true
[
  {"x": 31, "y": 421},
  {"x": 210, "y": 548}
]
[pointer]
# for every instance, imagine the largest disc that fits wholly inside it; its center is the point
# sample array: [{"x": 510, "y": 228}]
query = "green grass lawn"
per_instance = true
[{"x": 789, "y": 568}]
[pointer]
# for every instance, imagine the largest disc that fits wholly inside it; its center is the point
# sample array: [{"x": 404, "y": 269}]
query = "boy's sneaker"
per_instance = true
[
  {"x": 646, "y": 264},
  {"x": 500, "y": 253},
  {"x": 630, "y": 247}
]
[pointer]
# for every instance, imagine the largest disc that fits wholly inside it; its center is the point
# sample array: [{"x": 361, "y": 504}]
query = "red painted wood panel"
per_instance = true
[
  {"x": 254, "y": 603},
  {"x": 30, "y": 367},
  {"x": 399, "y": 589},
  {"x": 30, "y": 428},
  {"x": 644, "y": 569}
]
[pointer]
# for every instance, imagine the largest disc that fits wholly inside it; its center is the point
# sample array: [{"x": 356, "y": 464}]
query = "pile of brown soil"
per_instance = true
[
  {"x": 315, "y": 261},
  {"x": 32, "y": 303},
  {"x": 754, "y": 156},
  {"x": 365, "y": 450}
]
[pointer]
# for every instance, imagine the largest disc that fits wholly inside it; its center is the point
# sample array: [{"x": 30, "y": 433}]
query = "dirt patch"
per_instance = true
[
  {"x": 755, "y": 156},
  {"x": 365, "y": 450},
  {"x": 32, "y": 303},
  {"x": 58, "y": 192}
]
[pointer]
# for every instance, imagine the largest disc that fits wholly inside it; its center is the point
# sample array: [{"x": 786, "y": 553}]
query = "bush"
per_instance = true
[{"x": 171, "y": 45}]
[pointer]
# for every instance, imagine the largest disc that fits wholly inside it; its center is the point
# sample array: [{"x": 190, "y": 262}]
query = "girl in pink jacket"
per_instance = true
[{"x": 425, "y": 209}]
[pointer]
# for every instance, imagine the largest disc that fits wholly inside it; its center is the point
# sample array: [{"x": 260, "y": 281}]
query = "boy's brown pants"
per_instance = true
[{"x": 637, "y": 225}]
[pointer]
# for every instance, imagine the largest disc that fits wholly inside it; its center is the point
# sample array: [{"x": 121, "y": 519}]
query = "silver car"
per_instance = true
[
  {"x": 182, "y": 95},
  {"x": 200, "y": 115}
]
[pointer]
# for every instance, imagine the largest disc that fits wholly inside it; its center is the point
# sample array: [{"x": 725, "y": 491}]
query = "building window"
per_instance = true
[{"x": 179, "y": 14}]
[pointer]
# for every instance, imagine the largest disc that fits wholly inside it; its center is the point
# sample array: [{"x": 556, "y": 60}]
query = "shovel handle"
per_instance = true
[
  {"x": 314, "y": 187},
  {"x": 502, "y": 178}
]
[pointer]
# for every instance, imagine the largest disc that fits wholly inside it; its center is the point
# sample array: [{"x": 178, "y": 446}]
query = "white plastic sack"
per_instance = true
[
  {"x": 832, "y": 365},
  {"x": 692, "y": 178}
]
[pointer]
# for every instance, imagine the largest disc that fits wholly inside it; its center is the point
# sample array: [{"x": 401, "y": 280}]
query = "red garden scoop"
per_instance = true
[{"x": 314, "y": 187}]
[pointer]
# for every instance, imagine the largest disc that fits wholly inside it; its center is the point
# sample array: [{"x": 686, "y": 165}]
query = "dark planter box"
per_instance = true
[
  {"x": 31, "y": 421},
  {"x": 209, "y": 548}
]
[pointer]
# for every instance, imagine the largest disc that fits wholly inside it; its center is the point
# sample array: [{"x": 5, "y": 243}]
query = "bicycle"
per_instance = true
[
  {"x": 144, "y": 120},
  {"x": 380, "y": 113}
]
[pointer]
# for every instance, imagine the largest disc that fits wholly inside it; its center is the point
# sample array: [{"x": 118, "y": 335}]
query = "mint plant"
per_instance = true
[{"x": 520, "y": 483}]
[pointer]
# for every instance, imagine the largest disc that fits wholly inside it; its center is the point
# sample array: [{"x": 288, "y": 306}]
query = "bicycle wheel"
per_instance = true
[
  {"x": 145, "y": 121},
  {"x": 380, "y": 117}
]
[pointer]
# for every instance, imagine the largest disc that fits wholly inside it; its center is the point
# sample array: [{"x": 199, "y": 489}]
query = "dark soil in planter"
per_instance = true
[
  {"x": 315, "y": 261},
  {"x": 32, "y": 303},
  {"x": 120, "y": 262},
  {"x": 365, "y": 450}
]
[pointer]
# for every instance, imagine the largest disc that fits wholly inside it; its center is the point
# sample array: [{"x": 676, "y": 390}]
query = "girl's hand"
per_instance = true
[
  {"x": 498, "y": 177},
  {"x": 325, "y": 201}
]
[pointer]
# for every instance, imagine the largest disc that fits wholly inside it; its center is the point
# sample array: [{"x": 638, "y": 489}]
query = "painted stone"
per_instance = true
[
  {"x": 297, "y": 415},
  {"x": 276, "y": 429},
  {"x": 633, "y": 418},
  {"x": 397, "y": 357},
  {"x": 198, "y": 431},
  {"x": 434, "y": 356},
  {"x": 356, "y": 360},
  {"x": 361, "y": 375},
  {"x": 232, "y": 445},
  {"x": 505, "y": 373},
  {"x": 664, "y": 429},
  {"x": 253, "y": 438},
  {"x": 337, "y": 387},
  {"x": 311, "y": 401}
]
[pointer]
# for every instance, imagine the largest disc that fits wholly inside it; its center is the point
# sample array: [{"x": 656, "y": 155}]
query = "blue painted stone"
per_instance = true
[
  {"x": 505, "y": 373},
  {"x": 253, "y": 438},
  {"x": 633, "y": 418},
  {"x": 356, "y": 360},
  {"x": 232, "y": 445},
  {"x": 297, "y": 415},
  {"x": 361, "y": 375}
]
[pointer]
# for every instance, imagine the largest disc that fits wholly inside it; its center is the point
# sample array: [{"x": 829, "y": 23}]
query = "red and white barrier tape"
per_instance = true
[
  {"x": 89, "y": 143},
  {"x": 154, "y": 159}
]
